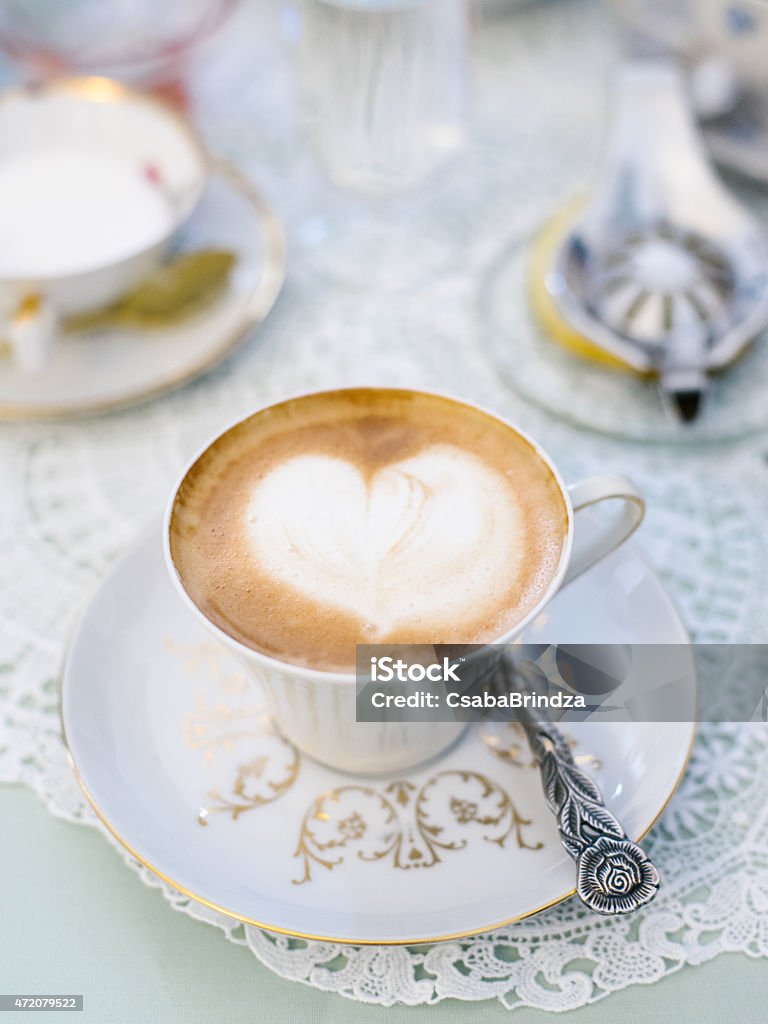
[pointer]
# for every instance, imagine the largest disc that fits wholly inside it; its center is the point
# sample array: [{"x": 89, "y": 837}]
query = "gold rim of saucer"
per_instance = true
[
  {"x": 106, "y": 90},
  {"x": 309, "y": 936}
]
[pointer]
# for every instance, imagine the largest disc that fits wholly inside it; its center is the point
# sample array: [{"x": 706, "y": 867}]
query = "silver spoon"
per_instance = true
[
  {"x": 614, "y": 875},
  {"x": 664, "y": 268}
]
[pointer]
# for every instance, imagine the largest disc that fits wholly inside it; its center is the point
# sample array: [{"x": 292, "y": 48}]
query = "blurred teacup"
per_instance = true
[
  {"x": 724, "y": 42},
  {"x": 94, "y": 181},
  {"x": 736, "y": 32}
]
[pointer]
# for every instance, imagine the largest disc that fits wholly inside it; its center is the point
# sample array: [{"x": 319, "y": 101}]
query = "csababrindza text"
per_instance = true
[{"x": 478, "y": 701}]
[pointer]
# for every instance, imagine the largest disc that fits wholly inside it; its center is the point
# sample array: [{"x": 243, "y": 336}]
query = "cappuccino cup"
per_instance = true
[{"x": 375, "y": 516}]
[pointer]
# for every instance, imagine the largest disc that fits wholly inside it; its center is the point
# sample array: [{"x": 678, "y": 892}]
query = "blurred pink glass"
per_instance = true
[{"x": 144, "y": 42}]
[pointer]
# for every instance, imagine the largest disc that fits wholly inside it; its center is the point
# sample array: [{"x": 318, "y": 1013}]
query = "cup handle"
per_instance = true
[
  {"x": 593, "y": 541},
  {"x": 29, "y": 331}
]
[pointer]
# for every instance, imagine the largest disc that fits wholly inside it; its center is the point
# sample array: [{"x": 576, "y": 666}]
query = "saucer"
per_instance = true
[
  {"x": 178, "y": 759},
  {"x": 100, "y": 370}
]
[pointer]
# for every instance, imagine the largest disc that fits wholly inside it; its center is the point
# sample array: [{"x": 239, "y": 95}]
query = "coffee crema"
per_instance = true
[{"x": 367, "y": 516}]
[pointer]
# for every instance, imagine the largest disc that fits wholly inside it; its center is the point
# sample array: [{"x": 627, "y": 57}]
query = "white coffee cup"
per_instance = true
[
  {"x": 316, "y": 709},
  {"x": 109, "y": 121}
]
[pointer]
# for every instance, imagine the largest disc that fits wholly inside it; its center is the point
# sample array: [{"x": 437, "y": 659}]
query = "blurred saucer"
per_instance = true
[
  {"x": 96, "y": 371},
  {"x": 172, "y": 748}
]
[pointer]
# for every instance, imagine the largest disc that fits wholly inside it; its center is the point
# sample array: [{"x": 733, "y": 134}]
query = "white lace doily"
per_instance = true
[{"x": 386, "y": 293}]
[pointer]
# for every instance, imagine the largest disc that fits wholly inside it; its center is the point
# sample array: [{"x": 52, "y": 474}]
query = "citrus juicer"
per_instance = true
[{"x": 663, "y": 269}]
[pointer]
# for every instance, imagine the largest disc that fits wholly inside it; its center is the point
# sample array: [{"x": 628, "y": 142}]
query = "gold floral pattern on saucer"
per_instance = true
[
  {"x": 265, "y": 777},
  {"x": 267, "y": 764},
  {"x": 507, "y": 741},
  {"x": 410, "y": 824}
]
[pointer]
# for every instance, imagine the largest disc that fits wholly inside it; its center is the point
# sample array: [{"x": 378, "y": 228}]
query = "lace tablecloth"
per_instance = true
[{"x": 387, "y": 293}]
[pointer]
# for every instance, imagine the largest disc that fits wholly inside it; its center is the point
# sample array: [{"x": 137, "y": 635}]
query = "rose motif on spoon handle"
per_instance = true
[{"x": 614, "y": 875}]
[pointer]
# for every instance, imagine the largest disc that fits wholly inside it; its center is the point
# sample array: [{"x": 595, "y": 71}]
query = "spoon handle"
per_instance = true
[{"x": 614, "y": 875}]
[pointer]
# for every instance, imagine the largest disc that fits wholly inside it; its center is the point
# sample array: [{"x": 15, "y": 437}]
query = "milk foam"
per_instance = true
[
  {"x": 416, "y": 542},
  {"x": 367, "y": 515}
]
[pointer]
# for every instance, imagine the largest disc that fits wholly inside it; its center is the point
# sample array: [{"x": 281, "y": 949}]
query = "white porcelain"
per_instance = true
[
  {"x": 732, "y": 31},
  {"x": 726, "y": 36},
  {"x": 99, "y": 115},
  {"x": 316, "y": 709},
  {"x": 116, "y": 366},
  {"x": 165, "y": 731}
]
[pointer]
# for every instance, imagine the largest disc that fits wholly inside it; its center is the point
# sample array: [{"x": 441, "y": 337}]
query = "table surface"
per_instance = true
[{"x": 74, "y": 920}]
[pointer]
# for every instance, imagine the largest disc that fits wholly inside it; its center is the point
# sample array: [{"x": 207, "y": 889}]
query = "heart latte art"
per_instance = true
[
  {"x": 367, "y": 516},
  {"x": 420, "y": 539}
]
